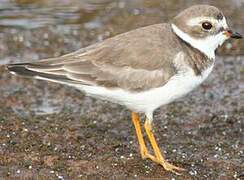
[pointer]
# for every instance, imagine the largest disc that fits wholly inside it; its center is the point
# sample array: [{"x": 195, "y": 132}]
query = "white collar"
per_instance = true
[{"x": 206, "y": 46}]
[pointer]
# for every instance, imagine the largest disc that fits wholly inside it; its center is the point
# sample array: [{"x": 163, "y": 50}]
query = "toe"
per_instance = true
[{"x": 172, "y": 168}]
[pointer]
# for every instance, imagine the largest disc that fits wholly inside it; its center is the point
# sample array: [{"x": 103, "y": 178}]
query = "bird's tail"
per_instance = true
[{"x": 39, "y": 71}]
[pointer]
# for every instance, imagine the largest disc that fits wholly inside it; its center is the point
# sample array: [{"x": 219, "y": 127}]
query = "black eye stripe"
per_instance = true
[
  {"x": 221, "y": 29},
  {"x": 220, "y": 16}
]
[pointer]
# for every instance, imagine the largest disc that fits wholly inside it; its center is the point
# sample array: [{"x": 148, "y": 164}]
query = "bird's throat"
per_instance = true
[{"x": 207, "y": 46}]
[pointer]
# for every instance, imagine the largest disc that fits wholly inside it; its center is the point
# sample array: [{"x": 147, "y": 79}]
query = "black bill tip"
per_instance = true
[{"x": 236, "y": 35}]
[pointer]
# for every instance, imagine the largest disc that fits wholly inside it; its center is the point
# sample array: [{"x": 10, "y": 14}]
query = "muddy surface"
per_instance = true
[{"x": 50, "y": 131}]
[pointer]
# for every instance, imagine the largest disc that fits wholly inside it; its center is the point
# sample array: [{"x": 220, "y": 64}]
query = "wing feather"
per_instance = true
[{"x": 133, "y": 61}]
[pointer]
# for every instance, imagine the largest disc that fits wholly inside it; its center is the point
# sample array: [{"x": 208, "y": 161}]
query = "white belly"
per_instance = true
[{"x": 150, "y": 100}]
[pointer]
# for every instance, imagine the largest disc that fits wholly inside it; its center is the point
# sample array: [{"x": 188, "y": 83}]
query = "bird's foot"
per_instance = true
[
  {"x": 146, "y": 155},
  {"x": 166, "y": 165},
  {"x": 170, "y": 167}
]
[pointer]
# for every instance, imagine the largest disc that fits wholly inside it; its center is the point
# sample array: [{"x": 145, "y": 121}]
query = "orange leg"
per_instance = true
[
  {"x": 159, "y": 157},
  {"x": 143, "y": 148}
]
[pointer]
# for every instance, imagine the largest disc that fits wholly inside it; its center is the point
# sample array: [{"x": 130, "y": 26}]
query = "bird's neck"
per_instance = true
[
  {"x": 197, "y": 59},
  {"x": 207, "y": 46}
]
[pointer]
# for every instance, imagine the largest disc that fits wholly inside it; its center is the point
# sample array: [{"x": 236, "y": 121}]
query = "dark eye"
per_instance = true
[{"x": 207, "y": 25}]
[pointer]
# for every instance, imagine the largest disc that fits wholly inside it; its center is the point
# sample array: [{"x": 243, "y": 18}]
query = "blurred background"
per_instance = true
[{"x": 55, "y": 132}]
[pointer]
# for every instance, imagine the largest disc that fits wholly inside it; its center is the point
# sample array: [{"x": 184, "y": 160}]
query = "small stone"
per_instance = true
[
  {"x": 60, "y": 177},
  {"x": 21, "y": 38},
  {"x": 193, "y": 173},
  {"x": 45, "y": 36},
  {"x": 136, "y": 11},
  {"x": 121, "y": 5},
  {"x": 228, "y": 45},
  {"x": 216, "y": 156},
  {"x": 115, "y": 164}
]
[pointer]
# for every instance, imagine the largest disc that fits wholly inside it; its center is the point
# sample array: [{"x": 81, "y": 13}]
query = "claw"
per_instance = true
[{"x": 172, "y": 168}]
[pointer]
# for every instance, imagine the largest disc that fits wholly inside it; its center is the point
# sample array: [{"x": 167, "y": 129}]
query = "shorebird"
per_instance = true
[{"x": 143, "y": 69}]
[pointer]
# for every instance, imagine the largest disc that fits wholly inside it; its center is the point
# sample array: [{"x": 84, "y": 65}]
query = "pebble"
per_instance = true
[
  {"x": 60, "y": 177},
  {"x": 193, "y": 172},
  {"x": 115, "y": 164},
  {"x": 228, "y": 46},
  {"x": 136, "y": 12},
  {"x": 45, "y": 36},
  {"x": 216, "y": 156},
  {"x": 121, "y": 5}
]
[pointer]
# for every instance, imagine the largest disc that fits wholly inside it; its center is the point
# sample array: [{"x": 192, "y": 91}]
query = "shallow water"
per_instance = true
[{"x": 30, "y": 14}]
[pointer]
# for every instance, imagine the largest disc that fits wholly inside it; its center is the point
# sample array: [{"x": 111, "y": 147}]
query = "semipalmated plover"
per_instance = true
[{"x": 143, "y": 69}]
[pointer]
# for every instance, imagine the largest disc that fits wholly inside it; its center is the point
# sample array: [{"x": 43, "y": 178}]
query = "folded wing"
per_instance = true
[{"x": 133, "y": 61}]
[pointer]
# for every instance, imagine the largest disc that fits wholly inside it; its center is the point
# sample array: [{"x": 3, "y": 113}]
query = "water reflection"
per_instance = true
[
  {"x": 31, "y": 14},
  {"x": 38, "y": 13}
]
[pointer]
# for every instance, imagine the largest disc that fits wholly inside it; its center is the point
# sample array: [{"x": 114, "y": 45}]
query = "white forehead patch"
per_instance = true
[
  {"x": 224, "y": 24},
  {"x": 218, "y": 23}
]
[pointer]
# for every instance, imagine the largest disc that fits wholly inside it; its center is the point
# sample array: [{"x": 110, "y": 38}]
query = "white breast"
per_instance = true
[{"x": 148, "y": 101}]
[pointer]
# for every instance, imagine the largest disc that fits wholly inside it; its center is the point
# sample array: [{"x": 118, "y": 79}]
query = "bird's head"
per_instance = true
[{"x": 204, "y": 27}]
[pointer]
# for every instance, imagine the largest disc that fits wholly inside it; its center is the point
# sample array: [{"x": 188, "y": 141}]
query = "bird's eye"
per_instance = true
[{"x": 207, "y": 25}]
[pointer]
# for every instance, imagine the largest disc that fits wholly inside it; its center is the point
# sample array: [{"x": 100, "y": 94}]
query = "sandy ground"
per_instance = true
[{"x": 50, "y": 131}]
